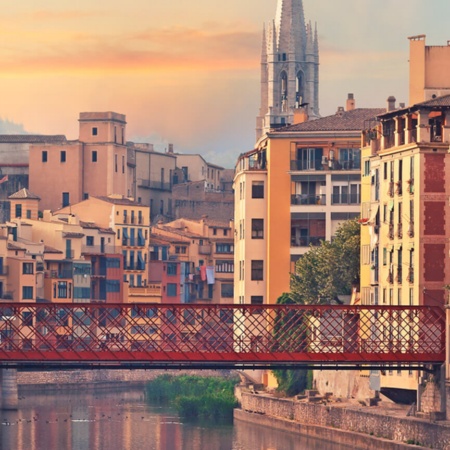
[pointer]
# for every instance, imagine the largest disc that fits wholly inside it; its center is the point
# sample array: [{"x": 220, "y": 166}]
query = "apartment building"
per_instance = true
[
  {"x": 129, "y": 221},
  {"x": 292, "y": 191},
  {"x": 199, "y": 257}
]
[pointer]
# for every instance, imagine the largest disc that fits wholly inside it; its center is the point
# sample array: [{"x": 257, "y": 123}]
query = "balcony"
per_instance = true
[
  {"x": 158, "y": 185},
  {"x": 7, "y": 295},
  {"x": 399, "y": 278},
  {"x": 400, "y": 230},
  {"x": 411, "y": 229},
  {"x": 65, "y": 274},
  {"x": 306, "y": 241},
  {"x": 391, "y": 189},
  {"x": 391, "y": 231},
  {"x": 97, "y": 249},
  {"x": 411, "y": 186},
  {"x": 410, "y": 277},
  {"x": 311, "y": 199},
  {"x": 399, "y": 189},
  {"x": 204, "y": 249},
  {"x": 4, "y": 270},
  {"x": 326, "y": 164}
]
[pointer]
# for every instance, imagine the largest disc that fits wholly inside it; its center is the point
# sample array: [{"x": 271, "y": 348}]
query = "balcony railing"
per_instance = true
[
  {"x": 66, "y": 274},
  {"x": 7, "y": 295},
  {"x": 306, "y": 241},
  {"x": 399, "y": 189},
  {"x": 311, "y": 199},
  {"x": 98, "y": 249},
  {"x": 204, "y": 249},
  {"x": 150, "y": 184},
  {"x": 400, "y": 230},
  {"x": 391, "y": 231},
  {"x": 325, "y": 164}
]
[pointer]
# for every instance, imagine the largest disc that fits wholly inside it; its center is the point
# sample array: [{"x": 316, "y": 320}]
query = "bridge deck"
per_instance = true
[{"x": 158, "y": 335}]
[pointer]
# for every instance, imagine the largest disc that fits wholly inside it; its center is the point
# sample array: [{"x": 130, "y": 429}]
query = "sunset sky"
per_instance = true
[{"x": 187, "y": 71}]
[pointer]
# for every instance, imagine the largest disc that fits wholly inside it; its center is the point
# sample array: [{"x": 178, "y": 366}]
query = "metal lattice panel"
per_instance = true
[{"x": 220, "y": 333}]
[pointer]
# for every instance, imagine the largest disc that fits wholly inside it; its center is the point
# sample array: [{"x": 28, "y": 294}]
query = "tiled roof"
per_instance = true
[
  {"x": 48, "y": 249},
  {"x": 24, "y": 193},
  {"x": 341, "y": 121},
  {"x": 93, "y": 226},
  {"x": 32, "y": 139},
  {"x": 72, "y": 234},
  {"x": 444, "y": 100},
  {"x": 120, "y": 201},
  {"x": 438, "y": 102},
  {"x": 12, "y": 246}
]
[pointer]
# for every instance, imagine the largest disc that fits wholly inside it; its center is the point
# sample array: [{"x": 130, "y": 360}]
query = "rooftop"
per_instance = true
[
  {"x": 22, "y": 194},
  {"x": 353, "y": 120},
  {"x": 32, "y": 138}
]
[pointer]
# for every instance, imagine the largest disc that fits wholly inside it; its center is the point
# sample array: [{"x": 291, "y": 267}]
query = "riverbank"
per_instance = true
[
  {"x": 52, "y": 381},
  {"x": 358, "y": 426}
]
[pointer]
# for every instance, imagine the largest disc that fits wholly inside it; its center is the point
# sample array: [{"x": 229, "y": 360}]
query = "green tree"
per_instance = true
[{"x": 329, "y": 269}]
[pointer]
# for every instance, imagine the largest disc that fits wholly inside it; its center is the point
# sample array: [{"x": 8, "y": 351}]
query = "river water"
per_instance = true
[{"x": 123, "y": 420}]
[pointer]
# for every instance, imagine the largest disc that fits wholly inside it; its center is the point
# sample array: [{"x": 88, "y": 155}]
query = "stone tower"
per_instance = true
[{"x": 289, "y": 68}]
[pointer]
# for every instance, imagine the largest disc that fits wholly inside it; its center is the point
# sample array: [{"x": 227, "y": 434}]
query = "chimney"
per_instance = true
[
  {"x": 340, "y": 111},
  {"x": 301, "y": 114},
  {"x": 350, "y": 103},
  {"x": 170, "y": 148},
  {"x": 391, "y": 103}
]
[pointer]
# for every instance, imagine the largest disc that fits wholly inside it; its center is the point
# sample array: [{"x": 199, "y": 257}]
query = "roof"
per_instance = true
[
  {"x": 120, "y": 201},
  {"x": 22, "y": 194},
  {"x": 72, "y": 234},
  {"x": 32, "y": 138},
  {"x": 353, "y": 120},
  {"x": 93, "y": 226},
  {"x": 434, "y": 103},
  {"x": 48, "y": 249}
]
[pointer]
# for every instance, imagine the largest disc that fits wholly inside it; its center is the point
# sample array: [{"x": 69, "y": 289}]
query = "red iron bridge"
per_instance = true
[{"x": 57, "y": 336}]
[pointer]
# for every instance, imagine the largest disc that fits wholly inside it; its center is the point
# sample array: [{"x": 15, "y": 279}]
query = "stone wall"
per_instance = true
[
  {"x": 97, "y": 378},
  {"x": 352, "y": 419}
]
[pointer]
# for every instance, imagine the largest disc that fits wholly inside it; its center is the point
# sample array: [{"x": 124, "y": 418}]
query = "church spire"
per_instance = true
[{"x": 289, "y": 67}]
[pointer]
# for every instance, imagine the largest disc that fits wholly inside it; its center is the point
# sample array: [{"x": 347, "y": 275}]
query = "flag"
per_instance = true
[{"x": 4, "y": 179}]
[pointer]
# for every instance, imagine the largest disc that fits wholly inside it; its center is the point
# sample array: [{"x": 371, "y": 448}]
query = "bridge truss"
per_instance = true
[{"x": 62, "y": 336}]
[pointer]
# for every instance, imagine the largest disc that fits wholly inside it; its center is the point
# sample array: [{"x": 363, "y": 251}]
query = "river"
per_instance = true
[{"x": 122, "y": 420}]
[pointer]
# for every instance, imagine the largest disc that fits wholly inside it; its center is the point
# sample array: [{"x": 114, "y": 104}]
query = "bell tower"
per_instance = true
[{"x": 289, "y": 68}]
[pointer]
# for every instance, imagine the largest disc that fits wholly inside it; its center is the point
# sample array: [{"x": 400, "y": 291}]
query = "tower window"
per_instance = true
[
  {"x": 44, "y": 156},
  {"x": 63, "y": 156},
  {"x": 94, "y": 155},
  {"x": 94, "y": 131}
]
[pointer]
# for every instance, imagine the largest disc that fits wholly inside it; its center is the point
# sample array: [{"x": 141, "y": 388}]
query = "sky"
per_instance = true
[{"x": 187, "y": 72}]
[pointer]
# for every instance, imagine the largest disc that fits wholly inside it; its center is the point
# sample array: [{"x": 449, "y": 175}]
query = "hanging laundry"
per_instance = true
[
  {"x": 203, "y": 273},
  {"x": 210, "y": 274}
]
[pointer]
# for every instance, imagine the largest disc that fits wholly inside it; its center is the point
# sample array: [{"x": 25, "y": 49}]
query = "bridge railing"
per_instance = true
[{"x": 232, "y": 334}]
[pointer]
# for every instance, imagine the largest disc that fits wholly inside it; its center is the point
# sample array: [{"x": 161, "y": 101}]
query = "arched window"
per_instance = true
[
  {"x": 284, "y": 91},
  {"x": 299, "y": 89}
]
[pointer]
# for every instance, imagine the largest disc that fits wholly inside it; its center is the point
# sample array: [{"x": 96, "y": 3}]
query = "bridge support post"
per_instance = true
[
  {"x": 10, "y": 397},
  {"x": 431, "y": 395}
]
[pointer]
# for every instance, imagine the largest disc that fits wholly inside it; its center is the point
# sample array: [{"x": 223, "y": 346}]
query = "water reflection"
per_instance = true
[{"x": 123, "y": 421}]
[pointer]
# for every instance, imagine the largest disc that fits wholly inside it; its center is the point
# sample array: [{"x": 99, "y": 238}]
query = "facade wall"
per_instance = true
[{"x": 66, "y": 176}]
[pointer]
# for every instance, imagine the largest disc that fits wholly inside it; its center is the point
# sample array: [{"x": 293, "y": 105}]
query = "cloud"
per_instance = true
[
  {"x": 53, "y": 15},
  {"x": 169, "y": 49}
]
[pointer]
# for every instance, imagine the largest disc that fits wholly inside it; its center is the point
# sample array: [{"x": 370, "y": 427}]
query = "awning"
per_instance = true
[
  {"x": 373, "y": 214},
  {"x": 125, "y": 233}
]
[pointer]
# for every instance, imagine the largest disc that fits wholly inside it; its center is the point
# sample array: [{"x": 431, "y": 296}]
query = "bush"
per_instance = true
[{"x": 195, "y": 396}]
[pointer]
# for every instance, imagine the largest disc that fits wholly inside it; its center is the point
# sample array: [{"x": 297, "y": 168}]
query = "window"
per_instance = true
[
  {"x": 65, "y": 199},
  {"x": 123, "y": 164},
  {"x": 44, "y": 156},
  {"x": 171, "y": 289},
  {"x": 214, "y": 231},
  {"x": 115, "y": 163},
  {"x": 18, "y": 210},
  {"x": 257, "y": 270},
  {"x": 224, "y": 248},
  {"x": 171, "y": 269},
  {"x": 94, "y": 131},
  {"x": 27, "y": 292},
  {"x": 227, "y": 290},
  {"x": 180, "y": 250},
  {"x": 257, "y": 228},
  {"x": 27, "y": 268},
  {"x": 28, "y": 213},
  {"x": 256, "y": 300},
  {"x": 366, "y": 167},
  {"x": 113, "y": 263},
  {"x": 94, "y": 155},
  {"x": 63, "y": 156},
  {"x": 258, "y": 189},
  {"x": 62, "y": 289},
  {"x": 27, "y": 318},
  {"x": 112, "y": 286},
  {"x": 89, "y": 241}
]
